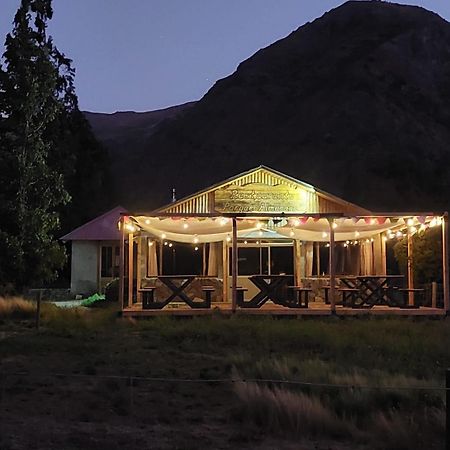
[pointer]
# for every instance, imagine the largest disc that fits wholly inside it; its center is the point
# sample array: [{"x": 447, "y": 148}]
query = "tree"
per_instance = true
[
  {"x": 426, "y": 256},
  {"x": 38, "y": 115}
]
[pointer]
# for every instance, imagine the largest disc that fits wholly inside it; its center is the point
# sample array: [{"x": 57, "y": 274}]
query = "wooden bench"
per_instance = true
[
  {"x": 240, "y": 295},
  {"x": 208, "y": 290},
  {"x": 327, "y": 295},
  {"x": 148, "y": 296},
  {"x": 298, "y": 291},
  {"x": 348, "y": 293},
  {"x": 405, "y": 297}
]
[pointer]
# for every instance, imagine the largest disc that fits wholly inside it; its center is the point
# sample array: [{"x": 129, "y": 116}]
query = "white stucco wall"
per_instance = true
[{"x": 84, "y": 270}]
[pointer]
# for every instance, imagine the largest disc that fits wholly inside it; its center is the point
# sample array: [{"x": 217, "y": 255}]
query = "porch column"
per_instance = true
[
  {"x": 317, "y": 251},
  {"x": 121, "y": 263},
  {"x": 445, "y": 280},
  {"x": 225, "y": 274},
  {"x": 298, "y": 266},
  {"x": 234, "y": 267},
  {"x": 161, "y": 251},
  {"x": 332, "y": 268},
  {"x": 130, "y": 268},
  {"x": 410, "y": 268}
]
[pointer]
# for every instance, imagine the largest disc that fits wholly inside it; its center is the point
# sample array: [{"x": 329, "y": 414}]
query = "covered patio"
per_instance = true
[{"x": 265, "y": 243}]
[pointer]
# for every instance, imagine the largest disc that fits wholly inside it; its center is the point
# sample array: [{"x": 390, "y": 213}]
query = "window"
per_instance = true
[
  {"x": 264, "y": 260},
  {"x": 107, "y": 262}
]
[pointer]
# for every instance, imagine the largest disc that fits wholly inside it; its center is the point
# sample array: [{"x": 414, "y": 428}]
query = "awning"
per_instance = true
[{"x": 305, "y": 228}]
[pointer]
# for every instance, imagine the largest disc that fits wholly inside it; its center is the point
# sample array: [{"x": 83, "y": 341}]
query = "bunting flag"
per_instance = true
[
  {"x": 368, "y": 220},
  {"x": 303, "y": 220},
  {"x": 394, "y": 220},
  {"x": 421, "y": 219},
  {"x": 355, "y": 219},
  {"x": 381, "y": 220}
]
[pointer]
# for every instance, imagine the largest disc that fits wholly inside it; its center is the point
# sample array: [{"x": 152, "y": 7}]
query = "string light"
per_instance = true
[
  {"x": 147, "y": 221},
  {"x": 171, "y": 245},
  {"x": 163, "y": 235},
  {"x": 260, "y": 233},
  {"x": 165, "y": 243},
  {"x": 356, "y": 233},
  {"x": 399, "y": 234},
  {"x": 324, "y": 234},
  {"x": 259, "y": 225},
  {"x": 334, "y": 225},
  {"x": 150, "y": 243},
  {"x": 195, "y": 240},
  {"x": 410, "y": 222},
  {"x": 327, "y": 245},
  {"x": 196, "y": 248},
  {"x": 228, "y": 239},
  {"x": 245, "y": 242},
  {"x": 185, "y": 225},
  {"x": 223, "y": 221}
]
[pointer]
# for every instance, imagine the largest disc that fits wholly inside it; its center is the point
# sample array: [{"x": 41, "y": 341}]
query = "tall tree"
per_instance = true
[{"x": 38, "y": 115}]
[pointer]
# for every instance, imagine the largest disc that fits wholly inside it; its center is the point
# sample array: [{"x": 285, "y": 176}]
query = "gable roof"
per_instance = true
[
  {"x": 102, "y": 228},
  {"x": 324, "y": 202}
]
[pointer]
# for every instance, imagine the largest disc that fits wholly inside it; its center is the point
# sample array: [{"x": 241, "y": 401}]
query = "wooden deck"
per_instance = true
[{"x": 314, "y": 309}]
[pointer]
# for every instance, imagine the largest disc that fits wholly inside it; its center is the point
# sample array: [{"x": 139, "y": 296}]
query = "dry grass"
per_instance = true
[
  {"x": 16, "y": 307},
  {"x": 406, "y": 417},
  {"x": 280, "y": 410}
]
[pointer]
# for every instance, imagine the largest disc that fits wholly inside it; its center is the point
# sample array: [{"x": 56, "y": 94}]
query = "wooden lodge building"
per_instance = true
[{"x": 260, "y": 242}]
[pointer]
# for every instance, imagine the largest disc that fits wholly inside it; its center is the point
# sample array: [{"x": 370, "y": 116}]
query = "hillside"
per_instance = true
[{"x": 356, "y": 102}]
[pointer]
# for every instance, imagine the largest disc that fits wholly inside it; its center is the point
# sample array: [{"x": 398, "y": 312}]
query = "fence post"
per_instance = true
[
  {"x": 38, "y": 307},
  {"x": 447, "y": 409}
]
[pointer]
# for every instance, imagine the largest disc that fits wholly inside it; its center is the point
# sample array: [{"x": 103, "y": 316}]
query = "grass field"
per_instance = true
[{"x": 82, "y": 382}]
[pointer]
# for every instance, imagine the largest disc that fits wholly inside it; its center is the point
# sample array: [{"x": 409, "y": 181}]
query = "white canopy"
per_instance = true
[{"x": 313, "y": 228}]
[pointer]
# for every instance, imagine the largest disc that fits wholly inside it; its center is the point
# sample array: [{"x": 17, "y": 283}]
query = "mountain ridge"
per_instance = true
[{"x": 355, "y": 103}]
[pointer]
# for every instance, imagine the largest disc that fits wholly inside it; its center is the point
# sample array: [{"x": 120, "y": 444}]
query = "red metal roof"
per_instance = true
[{"x": 102, "y": 228}]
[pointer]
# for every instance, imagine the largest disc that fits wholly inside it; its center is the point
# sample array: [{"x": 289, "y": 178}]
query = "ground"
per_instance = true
[{"x": 91, "y": 380}]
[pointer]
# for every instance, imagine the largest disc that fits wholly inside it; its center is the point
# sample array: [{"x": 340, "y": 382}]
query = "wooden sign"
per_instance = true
[{"x": 259, "y": 198}]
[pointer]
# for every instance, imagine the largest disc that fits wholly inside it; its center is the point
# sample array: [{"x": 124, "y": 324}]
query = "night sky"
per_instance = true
[{"x": 148, "y": 54}]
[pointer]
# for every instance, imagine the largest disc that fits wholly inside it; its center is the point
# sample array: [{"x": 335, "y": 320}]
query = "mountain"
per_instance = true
[{"x": 356, "y": 103}]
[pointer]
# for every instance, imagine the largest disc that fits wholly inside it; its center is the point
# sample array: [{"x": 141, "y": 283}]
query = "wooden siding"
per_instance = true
[{"x": 203, "y": 202}]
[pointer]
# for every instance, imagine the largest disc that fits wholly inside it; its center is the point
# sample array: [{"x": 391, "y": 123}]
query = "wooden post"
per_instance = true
[
  {"x": 161, "y": 251},
  {"x": 234, "y": 267},
  {"x": 225, "y": 270},
  {"x": 204, "y": 272},
  {"x": 38, "y": 307},
  {"x": 297, "y": 262},
  {"x": 433, "y": 294},
  {"x": 332, "y": 269},
  {"x": 445, "y": 264},
  {"x": 122, "y": 264},
  {"x": 130, "y": 268},
  {"x": 410, "y": 269},
  {"x": 139, "y": 268},
  {"x": 317, "y": 249},
  {"x": 447, "y": 408}
]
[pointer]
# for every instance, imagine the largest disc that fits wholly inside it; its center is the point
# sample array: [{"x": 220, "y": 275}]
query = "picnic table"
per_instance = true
[
  {"x": 373, "y": 289},
  {"x": 178, "y": 285},
  {"x": 271, "y": 287}
]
